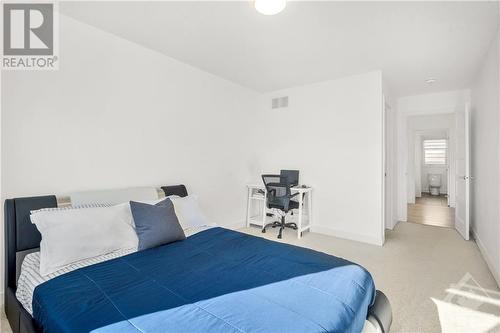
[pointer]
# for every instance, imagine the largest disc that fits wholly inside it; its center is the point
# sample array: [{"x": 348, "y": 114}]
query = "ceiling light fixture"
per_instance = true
[
  {"x": 269, "y": 7},
  {"x": 430, "y": 80}
]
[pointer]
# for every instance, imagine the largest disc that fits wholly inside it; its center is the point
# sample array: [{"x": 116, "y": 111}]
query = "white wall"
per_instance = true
[
  {"x": 332, "y": 133},
  {"x": 437, "y": 103},
  {"x": 118, "y": 115},
  {"x": 420, "y": 105},
  {"x": 485, "y": 152}
]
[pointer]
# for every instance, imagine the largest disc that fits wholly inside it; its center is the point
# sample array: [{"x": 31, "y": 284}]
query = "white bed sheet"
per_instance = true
[{"x": 30, "y": 276}]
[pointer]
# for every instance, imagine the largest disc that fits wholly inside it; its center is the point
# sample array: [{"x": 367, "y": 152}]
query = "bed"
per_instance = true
[{"x": 217, "y": 280}]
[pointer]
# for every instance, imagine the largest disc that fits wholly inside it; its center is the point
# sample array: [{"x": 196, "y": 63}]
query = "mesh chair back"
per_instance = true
[{"x": 278, "y": 191}]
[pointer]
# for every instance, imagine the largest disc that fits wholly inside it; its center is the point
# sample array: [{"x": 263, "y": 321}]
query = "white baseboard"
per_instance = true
[
  {"x": 347, "y": 235},
  {"x": 235, "y": 225},
  {"x": 487, "y": 257},
  {"x": 428, "y": 192},
  {"x": 394, "y": 225}
]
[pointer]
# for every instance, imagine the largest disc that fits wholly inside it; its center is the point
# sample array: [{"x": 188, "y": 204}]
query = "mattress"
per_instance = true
[
  {"x": 30, "y": 276},
  {"x": 217, "y": 280}
]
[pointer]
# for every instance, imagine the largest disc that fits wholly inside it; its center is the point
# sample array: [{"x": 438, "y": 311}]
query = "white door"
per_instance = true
[{"x": 462, "y": 171}]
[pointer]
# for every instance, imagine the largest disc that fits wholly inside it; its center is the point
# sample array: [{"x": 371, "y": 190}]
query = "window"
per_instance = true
[{"x": 435, "y": 152}]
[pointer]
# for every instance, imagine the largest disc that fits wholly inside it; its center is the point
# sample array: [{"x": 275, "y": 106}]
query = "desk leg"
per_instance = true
[
  {"x": 309, "y": 209},
  {"x": 299, "y": 218},
  {"x": 264, "y": 211},
  {"x": 249, "y": 206}
]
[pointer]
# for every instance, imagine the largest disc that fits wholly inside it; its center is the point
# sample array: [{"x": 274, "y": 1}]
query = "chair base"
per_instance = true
[{"x": 282, "y": 225}]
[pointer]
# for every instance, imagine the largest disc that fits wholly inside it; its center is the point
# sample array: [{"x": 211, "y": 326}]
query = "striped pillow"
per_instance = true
[{"x": 53, "y": 209}]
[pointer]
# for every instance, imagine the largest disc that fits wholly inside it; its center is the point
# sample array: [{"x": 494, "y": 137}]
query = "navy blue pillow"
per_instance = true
[{"x": 156, "y": 225}]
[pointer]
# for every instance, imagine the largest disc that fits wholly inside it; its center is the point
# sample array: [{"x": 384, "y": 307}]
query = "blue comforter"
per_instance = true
[{"x": 216, "y": 281}]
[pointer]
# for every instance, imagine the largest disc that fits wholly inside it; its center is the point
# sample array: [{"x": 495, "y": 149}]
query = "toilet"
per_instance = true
[{"x": 434, "y": 183}]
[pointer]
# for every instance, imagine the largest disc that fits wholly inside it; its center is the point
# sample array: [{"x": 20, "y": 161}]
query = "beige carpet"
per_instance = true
[
  {"x": 4, "y": 324},
  {"x": 415, "y": 268}
]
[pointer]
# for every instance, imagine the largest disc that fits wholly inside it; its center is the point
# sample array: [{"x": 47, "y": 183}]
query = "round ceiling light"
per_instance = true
[{"x": 270, "y": 7}]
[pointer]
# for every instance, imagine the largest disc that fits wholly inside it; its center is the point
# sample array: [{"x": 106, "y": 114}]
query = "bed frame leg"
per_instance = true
[{"x": 381, "y": 311}]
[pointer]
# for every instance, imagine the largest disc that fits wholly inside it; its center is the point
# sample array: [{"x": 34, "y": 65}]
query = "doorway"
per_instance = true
[
  {"x": 431, "y": 169},
  {"x": 417, "y": 115},
  {"x": 431, "y": 177}
]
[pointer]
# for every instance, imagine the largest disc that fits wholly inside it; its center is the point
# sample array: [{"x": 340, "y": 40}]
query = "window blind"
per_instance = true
[{"x": 435, "y": 151}]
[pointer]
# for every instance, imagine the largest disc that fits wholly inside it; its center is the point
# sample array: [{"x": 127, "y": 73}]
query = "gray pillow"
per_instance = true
[{"x": 156, "y": 225}]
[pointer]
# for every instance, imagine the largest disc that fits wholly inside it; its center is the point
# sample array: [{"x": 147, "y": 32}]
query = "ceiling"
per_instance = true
[{"x": 310, "y": 41}]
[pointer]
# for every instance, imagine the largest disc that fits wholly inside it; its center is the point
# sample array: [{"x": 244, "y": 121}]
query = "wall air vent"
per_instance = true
[
  {"x": 275, "y": 103},
  {"x": 279, "y": 102}
]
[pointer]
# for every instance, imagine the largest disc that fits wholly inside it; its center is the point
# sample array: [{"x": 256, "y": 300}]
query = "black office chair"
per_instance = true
[{"x": 278, "y": 197}]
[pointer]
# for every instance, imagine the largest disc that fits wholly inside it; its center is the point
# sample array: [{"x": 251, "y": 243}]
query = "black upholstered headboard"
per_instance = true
[
  {"x": 21, "y": 235},
  {"x": 179, "y": 190}
]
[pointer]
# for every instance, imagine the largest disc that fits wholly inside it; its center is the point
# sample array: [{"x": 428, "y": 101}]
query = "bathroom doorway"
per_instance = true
[{"x": 431, "y": 204}]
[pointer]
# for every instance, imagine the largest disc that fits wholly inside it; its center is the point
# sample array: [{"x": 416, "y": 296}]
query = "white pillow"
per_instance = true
[
  {"x": 71, "y": 235},
  {"x": 188, "y": 212},
  {"x": 154, "y": 202}
]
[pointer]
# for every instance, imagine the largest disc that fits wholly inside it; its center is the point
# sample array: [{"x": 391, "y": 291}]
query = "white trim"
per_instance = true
[
  {"x": 486, "y": 257},
  {"x": 402, "y": 165},
  {"x": 430, "y": 111},
  {"x": 346, "y": 235},
  {"x": 234, "y": 225},
  {"x": 390, "y": 168},
  {"x": 397, "y": 222},
  {"x": 384, "y": 169},
  {"x": 427, "y": 192}
]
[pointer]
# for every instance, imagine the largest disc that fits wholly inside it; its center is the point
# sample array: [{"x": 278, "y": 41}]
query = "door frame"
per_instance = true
[
  {"x": 466, "y": 177},
  {"x": 383, "y": 175},
  {"x": 403, "y": 133},
  {"x": 450, "y": 155},
  {"x": 389, "y": 167}
]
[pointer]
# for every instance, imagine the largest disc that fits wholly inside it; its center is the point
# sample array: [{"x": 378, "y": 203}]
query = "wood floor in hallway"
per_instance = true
[{"x": 431, "y": 210}]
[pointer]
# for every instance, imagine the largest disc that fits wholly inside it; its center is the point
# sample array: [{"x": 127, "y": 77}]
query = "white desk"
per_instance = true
[{"x": 257, "y": 194}]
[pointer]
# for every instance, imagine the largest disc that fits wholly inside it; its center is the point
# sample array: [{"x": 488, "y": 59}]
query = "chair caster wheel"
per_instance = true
[{"x": 263, "y": 231}]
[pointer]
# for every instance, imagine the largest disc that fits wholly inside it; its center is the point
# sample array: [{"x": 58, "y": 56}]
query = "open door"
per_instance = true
[{"x": 462, "y": 171}]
